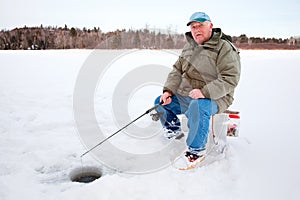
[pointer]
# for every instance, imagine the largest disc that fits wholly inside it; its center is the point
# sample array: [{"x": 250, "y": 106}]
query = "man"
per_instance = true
[{"x": 201, "y": 83}]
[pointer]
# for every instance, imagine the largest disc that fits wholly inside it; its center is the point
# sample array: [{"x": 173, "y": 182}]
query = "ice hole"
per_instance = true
[{"x": 85, "y": 174}]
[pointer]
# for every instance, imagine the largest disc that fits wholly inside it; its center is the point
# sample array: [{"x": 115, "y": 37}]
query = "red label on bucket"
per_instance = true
[{"x": 234, "y": 116}]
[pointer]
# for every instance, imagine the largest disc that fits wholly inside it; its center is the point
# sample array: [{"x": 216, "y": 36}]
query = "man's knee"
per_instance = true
[{"x": 203, "y": 106}]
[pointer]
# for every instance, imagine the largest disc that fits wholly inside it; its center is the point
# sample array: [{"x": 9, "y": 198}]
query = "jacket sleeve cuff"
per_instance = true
[{"x": 167, "y": 90}]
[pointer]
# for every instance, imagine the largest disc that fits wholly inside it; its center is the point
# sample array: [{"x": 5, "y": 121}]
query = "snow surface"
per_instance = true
[{"x": 39, "y": 144}]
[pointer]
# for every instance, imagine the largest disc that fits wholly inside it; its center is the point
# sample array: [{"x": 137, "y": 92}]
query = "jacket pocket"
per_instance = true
[{"x": 194, "y": 78}]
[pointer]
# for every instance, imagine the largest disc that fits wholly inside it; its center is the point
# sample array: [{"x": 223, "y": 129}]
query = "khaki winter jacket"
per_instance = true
[{"x": 213, "y": 67}]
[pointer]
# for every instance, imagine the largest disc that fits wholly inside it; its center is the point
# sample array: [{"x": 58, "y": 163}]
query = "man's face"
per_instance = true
[{"x": 201, "y": 31}]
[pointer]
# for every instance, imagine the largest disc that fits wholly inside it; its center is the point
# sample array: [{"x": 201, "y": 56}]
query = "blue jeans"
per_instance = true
[{"x": 198, "y": 112}]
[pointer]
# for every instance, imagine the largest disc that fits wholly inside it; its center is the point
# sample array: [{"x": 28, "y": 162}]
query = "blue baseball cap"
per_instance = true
[{"x": 198, "y": 17}]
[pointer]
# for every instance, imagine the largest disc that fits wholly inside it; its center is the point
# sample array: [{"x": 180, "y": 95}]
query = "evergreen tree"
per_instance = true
[{"x": 73, "y": 32}]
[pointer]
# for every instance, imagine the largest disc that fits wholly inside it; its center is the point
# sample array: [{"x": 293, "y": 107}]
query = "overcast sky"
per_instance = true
[{"x": 261, "y": 18}]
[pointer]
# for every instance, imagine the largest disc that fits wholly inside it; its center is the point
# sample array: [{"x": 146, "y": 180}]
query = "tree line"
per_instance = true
[{"x": 33, "y": 38}]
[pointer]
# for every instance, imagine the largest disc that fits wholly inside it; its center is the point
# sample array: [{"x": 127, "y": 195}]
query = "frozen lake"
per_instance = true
[{"x": 40, "y": 145}]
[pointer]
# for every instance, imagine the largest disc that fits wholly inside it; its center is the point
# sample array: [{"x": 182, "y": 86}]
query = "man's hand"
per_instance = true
[
  {"x": 196, "y": 94},
  {"x": 166, "y": 98}
]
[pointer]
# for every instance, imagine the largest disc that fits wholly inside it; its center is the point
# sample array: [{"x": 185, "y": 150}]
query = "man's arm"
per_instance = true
[{"x": 174, "y": 78}]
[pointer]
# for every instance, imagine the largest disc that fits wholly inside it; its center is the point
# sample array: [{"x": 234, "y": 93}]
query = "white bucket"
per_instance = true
[{"x": 220, "y": 126}]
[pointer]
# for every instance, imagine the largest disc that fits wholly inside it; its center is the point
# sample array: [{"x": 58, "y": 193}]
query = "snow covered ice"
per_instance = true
[{"x": 40, "y": 146}]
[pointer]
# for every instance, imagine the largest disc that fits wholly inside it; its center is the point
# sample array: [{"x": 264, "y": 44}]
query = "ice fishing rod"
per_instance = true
[{"x": 147, "y": 112}]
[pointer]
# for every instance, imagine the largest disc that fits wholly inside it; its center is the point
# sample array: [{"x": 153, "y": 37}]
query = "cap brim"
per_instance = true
[{"x": 197, "y": 20}]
